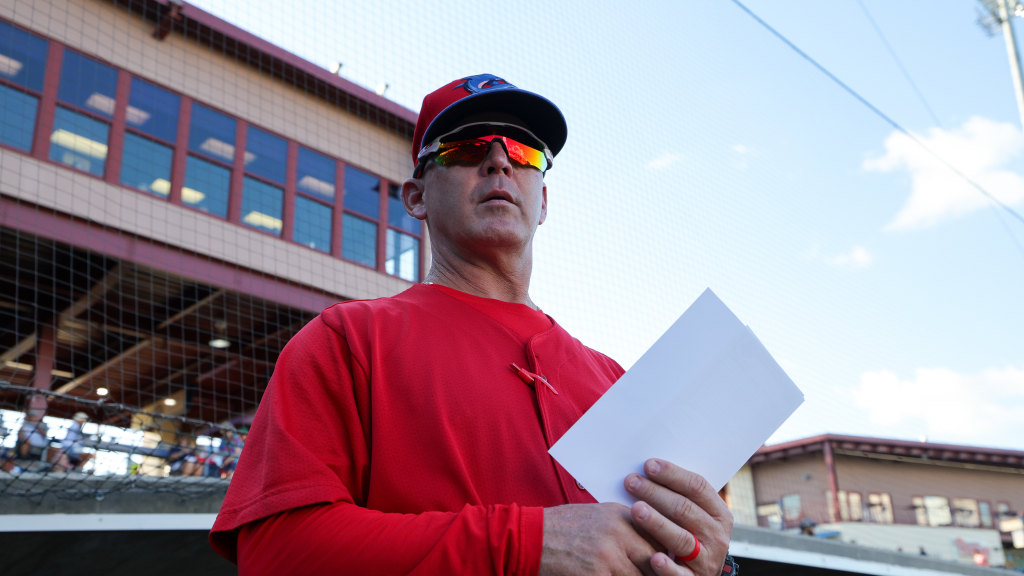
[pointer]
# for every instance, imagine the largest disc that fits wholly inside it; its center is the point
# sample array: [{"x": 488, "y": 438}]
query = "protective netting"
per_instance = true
[
  {"x": 183, "y": 186},
  {"x": 162, "y": 242}
]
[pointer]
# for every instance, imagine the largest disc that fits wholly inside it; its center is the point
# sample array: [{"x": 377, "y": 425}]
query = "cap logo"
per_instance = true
[{"x": 481, "y": 82}]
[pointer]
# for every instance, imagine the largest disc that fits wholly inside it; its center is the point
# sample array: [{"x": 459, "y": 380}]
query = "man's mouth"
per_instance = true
[{"x": 498, "y": 196}]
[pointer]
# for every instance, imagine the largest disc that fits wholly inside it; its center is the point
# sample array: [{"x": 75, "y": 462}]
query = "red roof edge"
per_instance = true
[{"x": 886, "y": 445}]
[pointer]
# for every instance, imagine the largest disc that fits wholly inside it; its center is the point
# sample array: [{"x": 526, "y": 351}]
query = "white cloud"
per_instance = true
[
  {"x": 981, "y": 149},
  {"x": 740, "y": 149},
  {"x": 858, "y": 257},
  {"x": 666, "y": 160},
  {"x": 948, "y": 407}
]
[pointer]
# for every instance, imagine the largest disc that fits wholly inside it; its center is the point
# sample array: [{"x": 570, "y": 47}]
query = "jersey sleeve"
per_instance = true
[
  {"x": 343, "y": 538},
  {"x": 296, "y": 503}
]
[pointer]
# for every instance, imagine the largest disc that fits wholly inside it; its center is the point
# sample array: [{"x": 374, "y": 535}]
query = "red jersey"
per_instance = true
[{"x": 395, "y": 437}]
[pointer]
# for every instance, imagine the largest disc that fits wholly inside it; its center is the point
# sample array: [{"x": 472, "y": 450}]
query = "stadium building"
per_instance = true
[{"x": 177, "y": 198}]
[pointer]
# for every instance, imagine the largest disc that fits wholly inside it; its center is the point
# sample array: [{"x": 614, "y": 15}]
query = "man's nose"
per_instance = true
[{"x": 497, "y": 160}]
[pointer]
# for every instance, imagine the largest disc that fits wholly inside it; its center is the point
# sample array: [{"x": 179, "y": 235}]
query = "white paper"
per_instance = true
[{"x": 705, "y": 396}]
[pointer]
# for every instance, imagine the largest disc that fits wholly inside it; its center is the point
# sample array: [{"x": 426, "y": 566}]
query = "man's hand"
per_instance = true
[
  {"x": 593, "y": 539},
  {"x": 676, "y": 508}
]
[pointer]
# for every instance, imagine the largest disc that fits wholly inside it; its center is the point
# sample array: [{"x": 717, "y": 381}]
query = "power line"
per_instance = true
[
  {"x": 899, "y": 63},
  {"x": 878, "y": 112}
]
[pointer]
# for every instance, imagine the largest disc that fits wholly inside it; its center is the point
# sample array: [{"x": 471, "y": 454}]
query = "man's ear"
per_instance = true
[
  {"x": 543, "y": 205},
  {"x": 412, "y": 198}
]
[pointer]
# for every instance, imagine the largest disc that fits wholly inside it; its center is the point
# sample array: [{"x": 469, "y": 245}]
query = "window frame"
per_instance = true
[
  {"x": 985, "y": 513},
  {"x": 887, "y": 514}
]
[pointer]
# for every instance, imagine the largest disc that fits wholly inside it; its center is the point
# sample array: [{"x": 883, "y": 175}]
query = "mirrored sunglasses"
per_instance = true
[{"x": 472, "y": 151}]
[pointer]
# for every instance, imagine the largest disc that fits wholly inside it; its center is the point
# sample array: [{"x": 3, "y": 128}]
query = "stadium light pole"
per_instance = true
[
  {"x": 1004, "y": 13},
  {"x": 999, "y": 12}
]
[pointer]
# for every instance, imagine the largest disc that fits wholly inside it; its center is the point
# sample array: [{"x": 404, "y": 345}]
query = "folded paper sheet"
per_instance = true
[{"x": 705, "y": 396}]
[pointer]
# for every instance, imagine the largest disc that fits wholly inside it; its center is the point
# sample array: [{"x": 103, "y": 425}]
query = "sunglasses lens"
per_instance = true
[
  {"x": 525, "y": 155},
  {"x": 462, "y": 152},
  {"x": 474, "y": 151}
]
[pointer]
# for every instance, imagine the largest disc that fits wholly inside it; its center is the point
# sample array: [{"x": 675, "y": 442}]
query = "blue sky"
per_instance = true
[{"x": 705, "y": 152}]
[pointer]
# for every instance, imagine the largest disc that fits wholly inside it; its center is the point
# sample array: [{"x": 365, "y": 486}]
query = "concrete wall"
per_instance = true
[{"x": 946, "y": 543}]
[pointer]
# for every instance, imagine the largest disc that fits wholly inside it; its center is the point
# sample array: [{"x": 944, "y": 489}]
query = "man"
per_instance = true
[
  {"x": 33, "y": 437},
  {"x": 71, "y": 456},
  {"x": 409, "y": 435}
]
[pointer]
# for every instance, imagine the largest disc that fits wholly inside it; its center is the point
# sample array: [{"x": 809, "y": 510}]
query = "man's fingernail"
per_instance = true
[
  {"x": 642, "y": 511},
  {"x": 633, "y": 482},
  {"x": 653, "y": 466}
]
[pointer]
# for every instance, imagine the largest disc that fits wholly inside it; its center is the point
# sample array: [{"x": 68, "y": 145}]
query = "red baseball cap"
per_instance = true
[{"x": 446, "y": 108}]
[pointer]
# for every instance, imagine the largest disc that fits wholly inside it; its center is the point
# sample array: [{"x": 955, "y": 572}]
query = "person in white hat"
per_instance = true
[{"x": 72, "y": 456}]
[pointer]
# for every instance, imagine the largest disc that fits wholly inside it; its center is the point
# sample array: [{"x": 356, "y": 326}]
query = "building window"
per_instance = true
[
  {"x": 769, "y": 515},
  {"x": 151, "y": 123},
  {"x": 17, "y": 118},
  {"x": 22, "y": 65},
  {"x": 880, "y": 508},
  {"x": 790, "y": 504},
  {"x": 312, "y": 224},
  {"x": 315, "y": 174},
  {"x": 265, "y": 155},
  {"x": 315, "y": 184},
  {"x": 261, "y": 205},
  {"x": 80, "y": 133},
  {"x": 146, "y": 165},
  {"x": 212, "y": 134},
  {"x": 1003, "y": 510},
  {"x": 985, "y": 514},
  {"x": 208, "y": 180},
  {"x": 153, "y": 111},
  {"x": 397, "y": 216},
  {"x": 850, "y": 506},
  {"x": 403, "y": 239},
  {"x": 79, "y": 141},
  {"x": 403, "y": 256},
  {"x": 359, "y": 240},
  {"x": 965, "y": 511},
  {"x": 362, "y": 192},
  {"x": 856, "y": 507},
  {"x": 87, "y": 84},
  {"x": 23, "y": 59},
  {"x": 359, "y": 235},
  {"x": 262, "y": 189},
  {"x": 206, "y": 186},
  {"x": 932, "y": 511}
]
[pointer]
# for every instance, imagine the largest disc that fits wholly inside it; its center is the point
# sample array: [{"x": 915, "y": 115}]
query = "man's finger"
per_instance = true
[{"x": 686, "y": 483}]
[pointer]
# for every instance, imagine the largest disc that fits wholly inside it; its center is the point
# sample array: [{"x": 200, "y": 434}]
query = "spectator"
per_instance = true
[
  {"x": 222, "y": 460},
  {"x": 71, "y": 455},
  {"x": 183, "y": 460},
  {"x": 33, "y": 438},
  {"x": 8, "y": 461},
  {"x": 235, "y": 441},
  {"x": 230, "y": 450}
]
